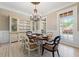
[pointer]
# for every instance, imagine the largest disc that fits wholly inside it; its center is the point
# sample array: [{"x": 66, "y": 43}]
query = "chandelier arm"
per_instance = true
[
  {"x": 35, "y": 16},
  {"x": 35, "y": 6}
]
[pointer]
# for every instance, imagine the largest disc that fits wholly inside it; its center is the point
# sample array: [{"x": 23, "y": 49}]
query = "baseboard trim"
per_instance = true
[{"x": 70, "y": 44}]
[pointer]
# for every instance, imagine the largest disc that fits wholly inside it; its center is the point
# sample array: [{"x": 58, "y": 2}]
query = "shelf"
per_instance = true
[{"x": 24, "y": 25}]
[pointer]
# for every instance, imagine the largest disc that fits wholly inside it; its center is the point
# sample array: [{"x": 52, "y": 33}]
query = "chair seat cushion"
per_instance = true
[
  {"x": 49, "y": 47},
  {"x": 32, "y": 46}
]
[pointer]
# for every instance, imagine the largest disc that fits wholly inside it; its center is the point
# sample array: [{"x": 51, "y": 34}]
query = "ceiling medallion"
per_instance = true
[{"x": 35, "y": 3}]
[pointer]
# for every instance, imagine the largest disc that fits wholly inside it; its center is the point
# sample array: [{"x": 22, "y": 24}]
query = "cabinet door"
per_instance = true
[{"x": 13, "y": 24}]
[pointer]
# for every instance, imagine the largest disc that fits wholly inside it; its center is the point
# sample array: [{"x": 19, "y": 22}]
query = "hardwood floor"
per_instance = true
[
  {"x": 68, "y": 51},
  {"x": 15, "y": 50}
]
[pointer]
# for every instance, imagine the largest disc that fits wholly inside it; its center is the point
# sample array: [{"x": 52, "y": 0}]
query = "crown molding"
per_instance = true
[
  {"x": 13, "y": 10},
  {"x": 60, "y": 8},
  {"x": 26, "y": 14}
]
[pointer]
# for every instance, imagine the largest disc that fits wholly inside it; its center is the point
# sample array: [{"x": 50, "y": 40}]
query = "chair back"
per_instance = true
[
  {"x": 29, "y": 33},
  {"x": 24, "y": 39},
  {"x": 56, "y": 41}
]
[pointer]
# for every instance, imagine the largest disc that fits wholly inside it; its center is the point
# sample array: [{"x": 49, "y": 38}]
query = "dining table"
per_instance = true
[{"x": 39, "y": 39}]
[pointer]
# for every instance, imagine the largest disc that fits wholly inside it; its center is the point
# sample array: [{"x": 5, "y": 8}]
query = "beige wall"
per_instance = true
[
  {"x": 4, "y": 23},
  {"x": 52, "y": 22},
  {"x": 4, "y": 18},
  {"x": 7, "y": 13}
]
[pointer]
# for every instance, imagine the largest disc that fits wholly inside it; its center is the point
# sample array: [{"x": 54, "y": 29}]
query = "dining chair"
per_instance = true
[
  {"x": 29, "y": 45},
  {"x": 52, "y": 47}
]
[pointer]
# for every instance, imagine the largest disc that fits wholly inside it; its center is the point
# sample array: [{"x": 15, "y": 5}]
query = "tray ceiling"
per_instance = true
[{"x": 27, "y": 8}]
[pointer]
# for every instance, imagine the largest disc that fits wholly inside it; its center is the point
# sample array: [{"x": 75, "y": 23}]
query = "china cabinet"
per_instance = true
[
  {"x": 18, "y": 26},
  {"x": 13, "y": 29}
]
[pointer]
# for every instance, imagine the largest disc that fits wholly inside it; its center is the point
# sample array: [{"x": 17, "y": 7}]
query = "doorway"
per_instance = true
[{"x": 66, "y": 26}]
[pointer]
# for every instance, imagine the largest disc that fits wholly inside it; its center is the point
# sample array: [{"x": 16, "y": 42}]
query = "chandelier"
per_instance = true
[{"x": 35, "y": 15}]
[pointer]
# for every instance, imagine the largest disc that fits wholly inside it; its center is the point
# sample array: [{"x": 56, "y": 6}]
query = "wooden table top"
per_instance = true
[{"x": 36, "y": 37}]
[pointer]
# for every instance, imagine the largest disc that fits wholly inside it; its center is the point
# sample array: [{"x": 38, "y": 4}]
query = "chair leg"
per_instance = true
[
  {"x": 42, "y": 50},
  {"x": 39, "y": 50},
  {"x": 53, "y": 53},
  {"x": 58, "y": 53}
]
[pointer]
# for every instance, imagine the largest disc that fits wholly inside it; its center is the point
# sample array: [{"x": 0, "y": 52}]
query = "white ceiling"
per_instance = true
[{"x": 27, "y": 8}]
